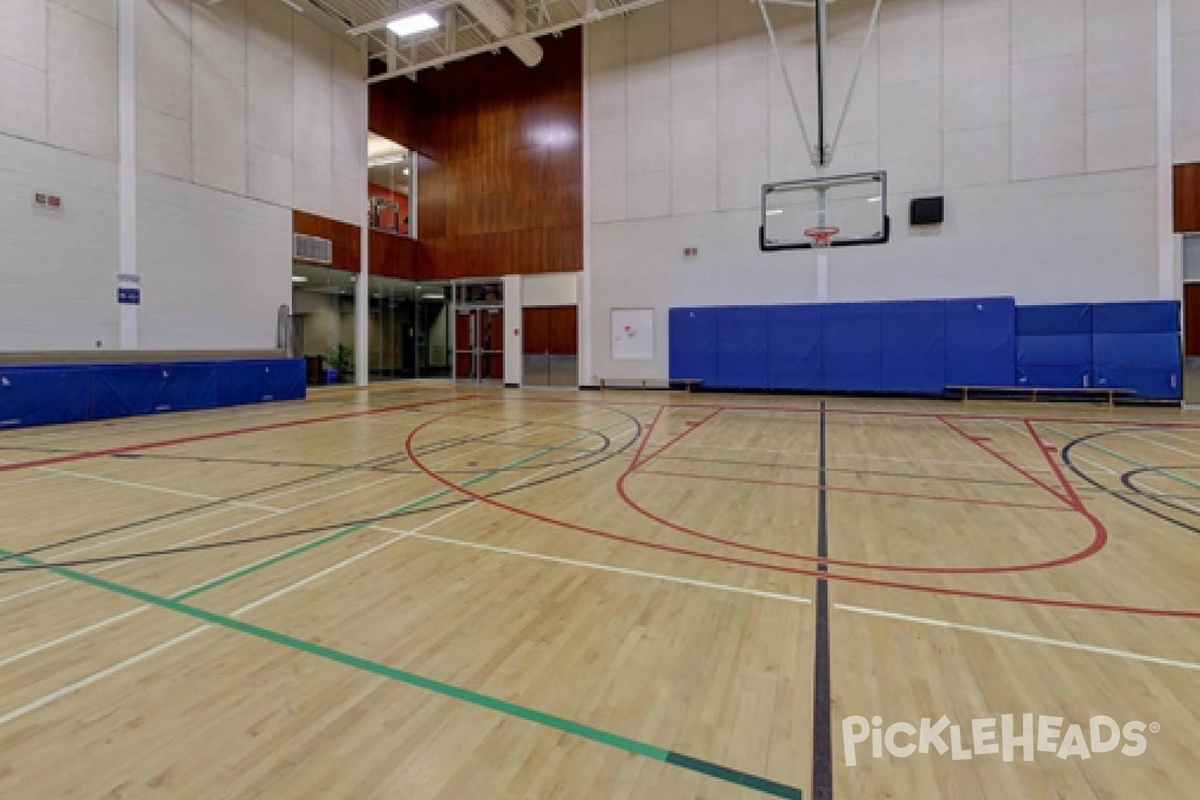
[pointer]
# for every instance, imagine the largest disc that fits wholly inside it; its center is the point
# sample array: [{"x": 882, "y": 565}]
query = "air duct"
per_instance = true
[{"x": 499, "y": 22}]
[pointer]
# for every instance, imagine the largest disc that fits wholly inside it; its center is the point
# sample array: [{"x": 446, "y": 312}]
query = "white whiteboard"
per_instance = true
[{"x": 632, "y": 334}]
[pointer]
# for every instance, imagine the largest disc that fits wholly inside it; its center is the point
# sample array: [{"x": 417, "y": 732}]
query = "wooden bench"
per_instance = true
[
  {"x": 687, "y": 382},
  {"x": 1102, "y": 391}
]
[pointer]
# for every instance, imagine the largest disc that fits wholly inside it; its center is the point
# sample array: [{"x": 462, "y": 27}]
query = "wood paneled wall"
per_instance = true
[
  {"x": 391, "y": 255},
  {"x": 1191, "y": 319},
  {"x": 500, "y": 172},
  {"x": 346, "y": 238},
  {"x": 550, "y": 329},
  {"x": 1187, "y": 198}
]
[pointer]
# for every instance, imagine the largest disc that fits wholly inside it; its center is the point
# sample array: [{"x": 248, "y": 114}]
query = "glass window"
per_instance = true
[
  {"x": 391, "y": 181},
  {"x": 323, "y": 322}
]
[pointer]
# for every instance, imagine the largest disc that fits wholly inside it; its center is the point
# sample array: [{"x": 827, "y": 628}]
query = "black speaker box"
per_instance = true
[{"x": 927, "y": 211}]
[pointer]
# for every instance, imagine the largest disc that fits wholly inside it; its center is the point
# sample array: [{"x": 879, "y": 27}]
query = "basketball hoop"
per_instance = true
[{"x": 822, "y": 235}]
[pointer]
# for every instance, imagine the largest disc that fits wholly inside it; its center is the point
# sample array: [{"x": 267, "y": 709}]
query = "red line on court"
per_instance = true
[
  {"x": 1047, "y": 449},
  {"x": 692, "y": 428},
  {"x": 982, "y": 445},
  {"x": 971, "y": 501},
  {"x": 637, "y": 455},
  {"x": 1099, "y": 537},
  {"x": 868, "y": 412},
  {"x": 204, "y": 437},
  {"x": 966, "y": 593}
]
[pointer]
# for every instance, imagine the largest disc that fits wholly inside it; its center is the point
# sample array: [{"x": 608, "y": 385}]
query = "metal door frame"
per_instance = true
[{"x": 475, "y": 350}]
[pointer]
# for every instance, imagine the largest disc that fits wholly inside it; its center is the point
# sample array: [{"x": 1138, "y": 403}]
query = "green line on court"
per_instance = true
[
  {"x": 409, "y": 506},
  {"x": 1127, "y": 459},
  {"x": 552, "y": 721}
]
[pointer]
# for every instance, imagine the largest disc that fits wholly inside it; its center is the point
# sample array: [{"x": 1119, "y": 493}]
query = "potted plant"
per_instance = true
[{"x": 341, "y": 363}]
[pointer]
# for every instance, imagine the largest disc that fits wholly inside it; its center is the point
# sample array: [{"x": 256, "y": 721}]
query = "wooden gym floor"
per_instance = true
[{"x": 424, "y": 592}]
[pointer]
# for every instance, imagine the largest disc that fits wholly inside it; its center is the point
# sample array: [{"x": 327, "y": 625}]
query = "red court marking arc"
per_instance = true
[
  {"x": 1099, "y": 537},
  {"x": 1082, "y": 605}
]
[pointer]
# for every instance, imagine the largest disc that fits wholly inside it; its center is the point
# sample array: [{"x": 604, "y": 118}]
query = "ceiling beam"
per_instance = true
[{"x": 507, "y": 41}]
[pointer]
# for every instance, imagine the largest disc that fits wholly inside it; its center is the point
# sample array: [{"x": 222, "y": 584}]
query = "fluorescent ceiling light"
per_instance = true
[
  {"x": 432, "y": 297},
  {"x": 417, "y": 23},
  {"x": 771, "y": 212},
  {"x": 383, "y": 161},
  {"x": 876, "y": 199},
  {"x": 299, "y": 279}
]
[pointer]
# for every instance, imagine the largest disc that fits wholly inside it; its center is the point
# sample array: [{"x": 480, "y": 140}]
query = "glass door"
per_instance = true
[{"x": 479, "y": 344}]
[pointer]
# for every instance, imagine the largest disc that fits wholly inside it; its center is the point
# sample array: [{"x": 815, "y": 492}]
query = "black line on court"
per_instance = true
[
  {"x": 605, "y": 455},
  {"x": 822, "y": 744},
  {"x": 374, "y": 462},
  {"x": 1122, "y": 496}
]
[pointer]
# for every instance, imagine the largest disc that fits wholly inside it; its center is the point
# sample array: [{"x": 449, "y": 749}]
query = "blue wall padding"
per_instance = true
[
  {"x": 851, "y": 347},
  {"x": 1054, "y": 351},
  {"x": 913, "y": 347},
  {"x": 1137, "y": 349},
  {"x": 742, "y": 347},
  {"x": 922, "y": 346},
  {"x": 793, "y": 347},
  {"x": 39, "y": 395},
  {"x": 981, "y": 342},
  {"x": 44, "y": 395},
  {"x": 1154, "y": 316},
  {"x": 693, "y": 350},
  {"x": 129, "y": 389},
  {"x": 240, "y": 382},
  {"x": 1054, "y": 376},
  {"x": 1150, "y": 383},
  {"x": 1054, "y": 320}
]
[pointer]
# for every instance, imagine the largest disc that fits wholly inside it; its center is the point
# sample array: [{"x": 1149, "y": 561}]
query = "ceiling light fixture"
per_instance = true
[
  {"x": 299, "y": 279},
  {"x": 417, "y": 23}
]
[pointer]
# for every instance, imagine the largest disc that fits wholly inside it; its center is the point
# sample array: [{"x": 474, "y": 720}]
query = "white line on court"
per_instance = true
[
  {"x": 124, "y": 615},
  {"x": 146, "y": 487},
  {"x": 1021, "y": 637},
  {"x": 307, "y": 486},
  {"x": 129, "y": 662},
  {"x": 96, "y": 677},
  {"x": 723, "y": 587},
  {"x": 1193, "y": 456}
]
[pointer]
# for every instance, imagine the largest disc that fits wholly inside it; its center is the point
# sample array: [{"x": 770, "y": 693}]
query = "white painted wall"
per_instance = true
[
  {"x": 1186, "y": 51},
  {"x": 515, "y": 289},
  {"x": 1035, "y": 119},
  {"x": 215, "y": 267},
  {"x": 555, "y": 289},
  {"x": 245, "y": 110},
  {"x": 58, "y": 269}
]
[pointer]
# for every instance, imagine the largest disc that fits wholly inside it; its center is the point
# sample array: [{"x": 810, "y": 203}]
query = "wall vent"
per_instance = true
[{"x": 312, "y": 248}]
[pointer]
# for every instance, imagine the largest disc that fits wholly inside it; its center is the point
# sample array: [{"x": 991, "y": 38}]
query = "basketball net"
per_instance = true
[{"x": 822, "y": 235}]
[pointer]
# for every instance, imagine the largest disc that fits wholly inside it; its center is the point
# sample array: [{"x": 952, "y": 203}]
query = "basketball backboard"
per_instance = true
[{"x": 854, "y": 204}]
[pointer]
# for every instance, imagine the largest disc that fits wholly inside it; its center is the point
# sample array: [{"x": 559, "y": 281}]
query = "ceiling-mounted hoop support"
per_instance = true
[{"x": 822, "y": 152}]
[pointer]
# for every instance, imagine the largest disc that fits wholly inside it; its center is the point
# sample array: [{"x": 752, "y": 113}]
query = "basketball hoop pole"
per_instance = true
[{"x": 822, "y": 252}]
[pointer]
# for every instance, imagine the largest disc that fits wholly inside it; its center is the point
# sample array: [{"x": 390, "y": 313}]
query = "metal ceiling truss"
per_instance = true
[{"x": 467, "y": 27}]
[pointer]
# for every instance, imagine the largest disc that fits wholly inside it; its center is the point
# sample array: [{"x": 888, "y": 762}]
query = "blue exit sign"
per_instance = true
[{"x": 129, "y": 297}]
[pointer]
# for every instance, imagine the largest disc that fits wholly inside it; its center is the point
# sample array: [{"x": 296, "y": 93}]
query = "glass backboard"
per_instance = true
[{"x": 854, "y": 204}]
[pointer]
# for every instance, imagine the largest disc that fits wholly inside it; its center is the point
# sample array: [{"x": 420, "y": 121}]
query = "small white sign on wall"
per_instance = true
[{"x": 632, "y": 334}]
